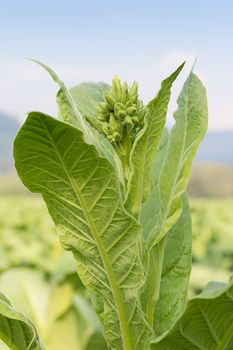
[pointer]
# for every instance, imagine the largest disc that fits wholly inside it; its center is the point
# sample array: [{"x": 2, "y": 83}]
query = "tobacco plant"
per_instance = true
[{"x": 114, "y": 180}]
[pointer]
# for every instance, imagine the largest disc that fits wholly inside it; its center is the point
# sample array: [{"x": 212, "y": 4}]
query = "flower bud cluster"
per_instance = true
[{"x": 122, "y": 113}]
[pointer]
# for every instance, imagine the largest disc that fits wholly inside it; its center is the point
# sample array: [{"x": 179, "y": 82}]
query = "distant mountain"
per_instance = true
[
  {"x": 8, "y": 129},
  {"x": 217, "y": 147}
]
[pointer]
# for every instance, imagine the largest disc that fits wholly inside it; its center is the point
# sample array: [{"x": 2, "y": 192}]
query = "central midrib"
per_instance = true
[
  {"x": 226, "y": 338},
  {"x": 126, "y": 338},
  {"x": 110, "y": 273}
]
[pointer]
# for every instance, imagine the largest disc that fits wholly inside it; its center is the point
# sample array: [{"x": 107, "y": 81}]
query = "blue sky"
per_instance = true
[{"x": 93, "y": 40}]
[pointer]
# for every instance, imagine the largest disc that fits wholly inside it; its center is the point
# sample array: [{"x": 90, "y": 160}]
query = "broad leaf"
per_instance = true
[
  {"x": 16, "y": 330},
  {"x": 158, "y": 159},
  {"x": 87, "y": 96},
  {"x": 78, "y": 328},
  {"x": 176, "y": 268},
  {"x": 146, "y": 145},
  {"x": 164, "y": 206},
  {"x": 94, "y": 336},
  {"x": 207, "y": 323},
  {"x": 40, "y": 300},
  {"x": 82, "y": 193},
  {"x": 62, "y": 318},
  {"x": 73, "y": 109},
  {"x": 175, "y": 261},
  {"x": 72, "y": 115},
  {"x": 186, "y": 135}
]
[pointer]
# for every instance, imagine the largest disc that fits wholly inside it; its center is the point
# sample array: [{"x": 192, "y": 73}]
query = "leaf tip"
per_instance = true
[{"x": 194, "y": 64}]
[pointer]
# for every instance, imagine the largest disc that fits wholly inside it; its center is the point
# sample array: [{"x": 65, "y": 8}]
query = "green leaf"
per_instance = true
[
  {"x": 72, "y": 109},
  {"x": 16, "y": 330},
  {"x": 186, "y": 135},
  {"x": 146, "y": 145},
  {"x": 164, "y": 206},
  {"x": 62, "y": 318},
  {"x": 82, "y": 193},
  {"x": 176, "y": 268},
  {"x": 94, "y": 339},
  {"x": 28, "y": 292},
  {"x": 78, "y": 328},
  {"x": 207, "y": 323},
  {"x": 72, "y": 115},
  {"x": 172, "y": 271},
  {"x": 87, "y": 96},
  {"x": 158, "y": 160}
]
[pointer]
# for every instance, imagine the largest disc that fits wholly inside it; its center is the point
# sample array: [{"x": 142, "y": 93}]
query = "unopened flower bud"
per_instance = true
[
  {"x": 122, "y": 113},
  {"x": 103, "y": 106},
  {"x": 121, "y": 105},
  {"x": 127, "y": 120},
  {"x": 116, "y": 136},
  {"x": 131, "y": 110},
  {"x": 102, "y": 117},
  {"x": 135, "y": 120},
  {"x": 133, "y": 92},
  {"x": 110, "y": 102},
  {"x": 116, "y": 87},
  {"x": 125, "y": 93}
]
